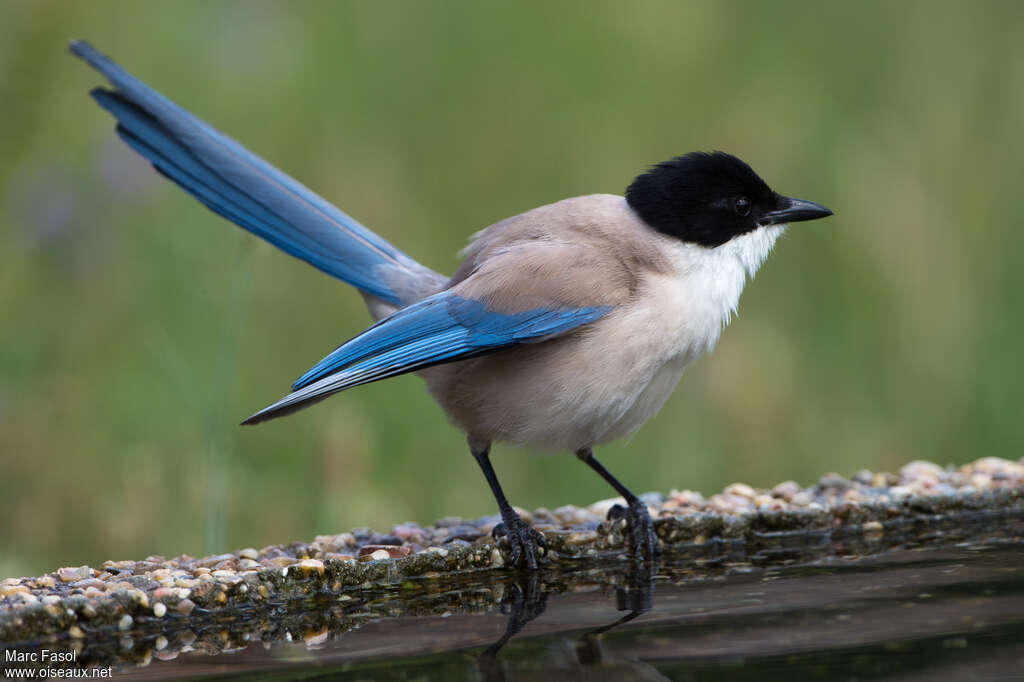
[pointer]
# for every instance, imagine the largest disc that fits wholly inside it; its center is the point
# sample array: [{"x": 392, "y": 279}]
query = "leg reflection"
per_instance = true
[
  {"x": 635, "y": 595},
  {"x": 527, "y": 600},
  {"x": 522, "y": 606}
]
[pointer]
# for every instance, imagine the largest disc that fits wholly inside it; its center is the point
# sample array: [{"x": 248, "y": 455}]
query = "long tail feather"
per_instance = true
[{"x": 250, "y": 192}]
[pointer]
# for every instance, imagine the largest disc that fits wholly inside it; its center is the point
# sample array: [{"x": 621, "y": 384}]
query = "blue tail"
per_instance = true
[{"x": 251, "y": 193}]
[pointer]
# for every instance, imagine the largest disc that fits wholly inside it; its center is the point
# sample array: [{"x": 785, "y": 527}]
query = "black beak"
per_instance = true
[{"x": 792, "y": 211}]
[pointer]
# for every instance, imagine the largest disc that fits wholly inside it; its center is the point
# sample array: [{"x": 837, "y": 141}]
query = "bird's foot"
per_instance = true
[
  {"x": 643, "y": 539},
  {"x": 523, "y": 541}
]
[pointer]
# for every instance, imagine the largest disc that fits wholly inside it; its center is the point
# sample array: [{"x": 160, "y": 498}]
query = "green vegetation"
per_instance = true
[{"x": 138, "y": 328}]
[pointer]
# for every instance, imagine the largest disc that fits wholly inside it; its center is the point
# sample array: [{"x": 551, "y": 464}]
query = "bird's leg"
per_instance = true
[
  {"x": 643, "y": 539},
  {"x": 524, "y": 542}
]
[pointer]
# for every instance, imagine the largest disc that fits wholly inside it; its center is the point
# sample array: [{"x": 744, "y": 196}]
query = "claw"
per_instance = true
[
  {"x": 523, "y": 541},
  {"x": 543, "y": 544},
  {"x": 642, "y": 536}
]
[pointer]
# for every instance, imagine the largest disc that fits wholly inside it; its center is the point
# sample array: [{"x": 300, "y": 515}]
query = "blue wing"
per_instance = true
[
  {"x": 245, "y": 189},
  {"x": 442, "y": 328}
]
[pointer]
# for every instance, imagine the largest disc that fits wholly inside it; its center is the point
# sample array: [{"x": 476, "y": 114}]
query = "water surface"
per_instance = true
[{"x": 909, "y": 614}]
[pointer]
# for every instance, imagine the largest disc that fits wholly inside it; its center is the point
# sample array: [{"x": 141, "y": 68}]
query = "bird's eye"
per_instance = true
[{"x": 742, "y": 206}]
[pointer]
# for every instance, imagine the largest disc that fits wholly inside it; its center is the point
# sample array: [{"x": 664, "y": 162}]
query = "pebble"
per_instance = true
[
  {"x": 729, "y": 504},
  {"x": 918, "y": 468},
  {"x": 569, "y": 515},
  {"x": 389, "y": 551},
  {"x": 70, "y": 574},
  {"x": 997, "y": 465},
  {"x": 601, "y": 508},
  {"x": 580, "y": 537},
  {"x": 525, "y": 514},
  {"x": 332, "y": 543},
  {"x": 689, "y": 498},
  {"x": 900, "y": 491},
  {"x": 10, "y": 590},
  {"x": 226, "y": 577},
  {"x": 463, "y": 531},
  {"x": 801, "y": 499},
  {"x": 280, "y": 562},
  {"x": 981, "y": 480},
  {"x": 652, "y": 499},
  {"x": 741, "y": 490},
  {"x": 408, "y": 532},
  {"x": 786, "y": 490},
  {"x": 164, "y": 593},
  {"x": 212, "y": 561},
  {"x": 159, "y": 609},
  {"x": 836, "y": 482},
  {"x": 864, "y": 477},
  {"x": 338, "y": 557},
  {"x": 125, "y": 623},
  {"x": 202, "y": 589}
]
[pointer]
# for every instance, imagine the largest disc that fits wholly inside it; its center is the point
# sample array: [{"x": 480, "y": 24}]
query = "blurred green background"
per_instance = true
[{"x": 138, "y": 328}]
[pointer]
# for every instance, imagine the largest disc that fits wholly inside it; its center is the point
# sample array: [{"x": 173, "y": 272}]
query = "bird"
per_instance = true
[{"x": 565, "y": 327}]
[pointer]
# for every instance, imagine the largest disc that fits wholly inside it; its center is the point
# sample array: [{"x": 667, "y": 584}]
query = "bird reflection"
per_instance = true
[{"x": 585, "y": 658}]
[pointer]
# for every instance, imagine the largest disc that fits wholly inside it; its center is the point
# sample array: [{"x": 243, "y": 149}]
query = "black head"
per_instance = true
[{"x": 709, "y": 198}]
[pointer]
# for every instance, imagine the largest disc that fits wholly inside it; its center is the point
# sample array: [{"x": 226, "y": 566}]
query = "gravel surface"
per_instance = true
[{"x": 74, "y": 603}]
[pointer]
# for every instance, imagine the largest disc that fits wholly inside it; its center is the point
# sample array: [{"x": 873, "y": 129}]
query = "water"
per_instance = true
[{"x": 955, "y": 613}]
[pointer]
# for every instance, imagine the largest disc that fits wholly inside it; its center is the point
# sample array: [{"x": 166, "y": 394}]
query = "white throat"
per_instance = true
[
  {"x": 752, "y": 248},
  {"x": 712, "y": 279}
]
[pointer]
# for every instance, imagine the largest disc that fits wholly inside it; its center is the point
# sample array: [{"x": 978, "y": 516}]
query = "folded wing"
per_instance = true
[{"x": 442, "y": 328}]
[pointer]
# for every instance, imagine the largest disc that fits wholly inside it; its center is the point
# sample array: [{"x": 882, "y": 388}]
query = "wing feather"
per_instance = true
[{"x": 442, "y": 328}]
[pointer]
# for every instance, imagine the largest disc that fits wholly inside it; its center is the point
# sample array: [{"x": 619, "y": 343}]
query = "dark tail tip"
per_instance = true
[
  {"x": 284, "y": 407},
  {"x": 268, "y": 413},
  {"x": 257, "y": 418}
]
